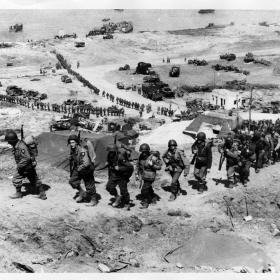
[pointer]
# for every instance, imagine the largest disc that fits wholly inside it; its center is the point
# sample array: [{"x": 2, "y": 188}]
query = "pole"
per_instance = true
[{"x": 250, "y": 105}]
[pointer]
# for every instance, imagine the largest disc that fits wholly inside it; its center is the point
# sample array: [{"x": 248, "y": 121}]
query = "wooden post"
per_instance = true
[{"x": 250, "y": 105}]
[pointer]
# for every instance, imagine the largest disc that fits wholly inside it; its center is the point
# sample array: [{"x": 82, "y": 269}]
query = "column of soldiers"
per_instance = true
[
  {"x": 165, "y": 111},
  {"x": 120, "y": 170},
  {"x": 63, "y": 108},
  {"x": 242, "y": 150},
  {"x": 256, "y": 145}
]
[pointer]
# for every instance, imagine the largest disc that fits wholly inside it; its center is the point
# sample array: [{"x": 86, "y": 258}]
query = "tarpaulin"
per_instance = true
[{"x": 53, "y": 148}]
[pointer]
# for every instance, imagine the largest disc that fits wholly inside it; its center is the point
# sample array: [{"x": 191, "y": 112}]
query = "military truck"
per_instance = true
[
  {"x": 249, "y": 57},
  {"x": 174, "y": 72},
  {"x": 66, "y": 79},
  {"x": 79, "y": 44},
  {"x": 228, "y": 56},
  {"x": 108, "y": 37}
]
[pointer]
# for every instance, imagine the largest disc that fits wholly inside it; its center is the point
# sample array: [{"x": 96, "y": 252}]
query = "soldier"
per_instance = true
[
  {"x": 247, "y": 157},
  {"x": 81, "y": 168},
  {"x": 176, "y": 162},
  {"x": 147, "y": 165},
  {"x": 261, "y": 147},
  {"x": 231, "y": 153},
  {"x": 202, "y": 160},
  {"x": 25, "y": 166},
  {"x": 119, "y": 172}
]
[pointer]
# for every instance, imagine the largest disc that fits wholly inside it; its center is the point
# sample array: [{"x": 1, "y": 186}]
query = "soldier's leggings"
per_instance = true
[
  {"x": 31, "y": 175},
  {"x": 261, "y": 159},
  {"x": 175, "y": 184},
  {"x": 200, "y": 174},
  {"x": 113, "y": 182},
  {"x": 244, "y": 171},
  {"x": 231, "y": 173},
  {"x": 88, "y": 178},
  {"x": 147, "y": 191}
]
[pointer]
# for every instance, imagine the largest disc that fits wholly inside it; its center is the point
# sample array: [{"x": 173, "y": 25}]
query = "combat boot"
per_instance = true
[
  {"x": 76, "y": 195},
  {"x": 172, "y": 197},
  {"x": 93, "y": 201},
  {"x": 144, "y": 204},
  {"x": 80, "y": 198},
  {"x": 17, "y": 194},
  {"x": 117, "y": 202},
  {"x": 42, "y": 193},
  {"x": 231, "y": 185}
]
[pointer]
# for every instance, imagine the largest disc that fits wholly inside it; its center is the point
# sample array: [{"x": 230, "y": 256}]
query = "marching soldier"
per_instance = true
[
  {"x": 25, "y": 166},
  {"x": 119, "y": 173},
  {"x": 231, "y": 153},
  {"x": 261, "y": 147},
  {"x": 247, "y": 157},
  {"x": 146, "y": 168},
  {"x": 202, "y": 160},
  {"x": 81, "y": 168},
  {"x": 176, "y": 162}
]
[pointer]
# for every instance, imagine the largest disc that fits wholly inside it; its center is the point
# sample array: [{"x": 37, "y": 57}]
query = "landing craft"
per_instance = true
[
  {"x": 16, "y": 28},
  {"x": 206, "y": 11}
]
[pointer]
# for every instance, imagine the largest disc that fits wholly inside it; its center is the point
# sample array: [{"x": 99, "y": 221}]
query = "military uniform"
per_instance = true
[
  {"x": 231, "y": 153},
  {"x": 176, "y": 162},
  {"x": 119, "y": 172},
  {"x": 203, "y": 162},
  {"x": 146, "y": 168},
  {"x": 25, "y": 169},
  {"x": 247, "y": 157},
  {"x": 82, "y": 169},
  {"x": 261, "y": 151}
]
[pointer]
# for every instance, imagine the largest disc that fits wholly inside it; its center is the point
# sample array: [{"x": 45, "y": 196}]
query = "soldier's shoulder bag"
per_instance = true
[{"x": 148, "y": 175}]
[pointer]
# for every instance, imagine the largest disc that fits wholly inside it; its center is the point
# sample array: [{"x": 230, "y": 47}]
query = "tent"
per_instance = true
[
  {"x": 53, "y": 148},
  {"x": 213, "y": 120}
]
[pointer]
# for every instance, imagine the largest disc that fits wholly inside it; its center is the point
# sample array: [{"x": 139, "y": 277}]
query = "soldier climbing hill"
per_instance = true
[
  {"x": 176, "y": 162},
  {"x": 119, "y": 172},
  {"x": 146, "y": 168},
  {"x": 81, "y": 168},
  {"x": 25, "y": 166},
  {"x": 202, "y": 160}
]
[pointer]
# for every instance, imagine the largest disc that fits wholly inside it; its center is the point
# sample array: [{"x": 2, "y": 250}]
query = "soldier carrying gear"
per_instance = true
[
  {"x": 146, "y": 167},
  {"x": 247, "y": 157},
  {"x": 119, "y": 173},
  {"x": 261, "y": 147},
  {"x": 25, "y": 167},
  {"x": 176, "y": 162},
  {"x": 231, "y": 152},
  {"x": 202, "y": 160},
  {"x": 81, "y": 168}
]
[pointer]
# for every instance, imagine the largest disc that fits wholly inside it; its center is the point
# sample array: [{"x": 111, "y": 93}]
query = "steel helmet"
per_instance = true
[
  {"x": 172, "y": 142},
  {"x": 73, "y": 137},
  {"x": 201, "y": 136},
  {"x": 144, "y": 148},
  {"x": 11, "y": 136}
]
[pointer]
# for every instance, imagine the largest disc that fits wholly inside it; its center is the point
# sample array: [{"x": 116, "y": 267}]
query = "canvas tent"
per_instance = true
[
  {"x": 209, "y": 121},
  {"x": 54, "y": 150}
]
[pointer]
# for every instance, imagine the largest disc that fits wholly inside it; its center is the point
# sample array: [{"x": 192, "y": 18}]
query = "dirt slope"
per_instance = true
[{"x": 54, "y": 232}]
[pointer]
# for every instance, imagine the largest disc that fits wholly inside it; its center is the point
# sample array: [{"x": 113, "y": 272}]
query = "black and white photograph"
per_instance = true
[{"x": 139, "y": 139}]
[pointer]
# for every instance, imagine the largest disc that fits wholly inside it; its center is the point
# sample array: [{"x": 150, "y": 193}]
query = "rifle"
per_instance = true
[
  {"x": 79, "y": 136},
  {"x": 194, "y": 158},
  {"x": 21, "y": 132},
  {"x": 222, "y": 159}
]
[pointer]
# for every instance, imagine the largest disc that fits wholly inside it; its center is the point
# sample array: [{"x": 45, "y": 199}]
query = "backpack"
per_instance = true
[
  {"x": 87, "y": 144},
  {"x": 32, "y": 145}
]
